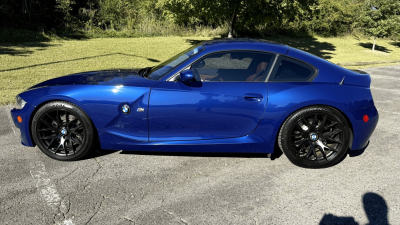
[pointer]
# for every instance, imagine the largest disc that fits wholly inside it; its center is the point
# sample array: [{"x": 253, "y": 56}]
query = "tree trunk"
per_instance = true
[
  {"x": 231, "y": 24},
  {"x": 373, "y": 46}
]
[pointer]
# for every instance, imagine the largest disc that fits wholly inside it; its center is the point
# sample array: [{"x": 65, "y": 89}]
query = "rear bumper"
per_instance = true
[
  {"x": 362, "y": 131},
  {"x": 24, "y": 113}
]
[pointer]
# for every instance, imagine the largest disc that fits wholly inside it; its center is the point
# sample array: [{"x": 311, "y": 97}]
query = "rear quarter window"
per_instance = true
[{"x": 291, "y": 70}]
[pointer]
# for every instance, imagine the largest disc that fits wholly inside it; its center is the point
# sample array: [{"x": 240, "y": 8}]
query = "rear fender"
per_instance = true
[{"x": 287, "y": 98}]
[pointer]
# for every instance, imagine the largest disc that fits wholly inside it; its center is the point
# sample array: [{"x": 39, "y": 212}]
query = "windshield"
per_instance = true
[{"x": 163, "y": 68}]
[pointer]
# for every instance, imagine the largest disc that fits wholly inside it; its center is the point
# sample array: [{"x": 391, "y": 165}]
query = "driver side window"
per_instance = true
[{"x": 233, "y": 66}]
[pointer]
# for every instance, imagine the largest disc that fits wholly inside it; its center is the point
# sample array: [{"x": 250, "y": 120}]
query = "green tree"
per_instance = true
[
  {"x": 332, "y": 17},
  {"x": 65, "y": 7},
  {"x": 117, "y": 14},
  {"x": 378, "y": 18},
  {"x": 235, "y": 13}
]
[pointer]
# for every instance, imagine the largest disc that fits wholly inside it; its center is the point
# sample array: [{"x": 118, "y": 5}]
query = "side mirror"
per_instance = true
[{"x": 186, "y": 76}]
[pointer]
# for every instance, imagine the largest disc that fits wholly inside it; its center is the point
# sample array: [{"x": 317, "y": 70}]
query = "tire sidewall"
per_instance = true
[{"x": 82, "y": 116}]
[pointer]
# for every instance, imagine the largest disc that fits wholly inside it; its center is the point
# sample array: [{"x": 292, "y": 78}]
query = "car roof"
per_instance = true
[{"x": 245, "y": 44}]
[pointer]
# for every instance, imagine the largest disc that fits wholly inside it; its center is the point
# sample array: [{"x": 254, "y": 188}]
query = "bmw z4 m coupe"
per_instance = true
[{"x": 232, "y": 95}]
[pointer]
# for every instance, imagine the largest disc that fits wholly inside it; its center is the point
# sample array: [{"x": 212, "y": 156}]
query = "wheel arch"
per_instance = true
[{"x": 38, "y": 106}]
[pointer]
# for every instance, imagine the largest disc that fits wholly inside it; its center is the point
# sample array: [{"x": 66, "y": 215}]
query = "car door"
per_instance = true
[{"x": 227, "y": 100}]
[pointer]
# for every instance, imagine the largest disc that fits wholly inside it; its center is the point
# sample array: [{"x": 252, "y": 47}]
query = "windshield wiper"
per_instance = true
[
  {"x": 145, "y": 71},
  {"x": 141, "y": 72}
]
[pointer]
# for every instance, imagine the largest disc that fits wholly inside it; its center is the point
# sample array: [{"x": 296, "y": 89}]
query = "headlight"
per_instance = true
[{"x": 19, "y": 102}]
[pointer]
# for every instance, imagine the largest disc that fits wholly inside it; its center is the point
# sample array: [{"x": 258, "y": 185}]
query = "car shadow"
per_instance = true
[
  {"x": 358, "y": 152},
  {"x": 199, "y": 154},
  {"x": 375, "y": 208},
  {"x": 103, "y": 152},
  {"x": 98, "y": 153},
  {"x": 351, "y": 153}
]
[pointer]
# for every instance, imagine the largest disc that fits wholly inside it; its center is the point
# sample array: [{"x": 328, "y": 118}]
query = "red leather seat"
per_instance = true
[{"x": 262, "y": 66}]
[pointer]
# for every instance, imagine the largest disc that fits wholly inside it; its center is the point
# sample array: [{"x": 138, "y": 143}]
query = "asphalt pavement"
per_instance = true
[{"x": 115, "y": 187}]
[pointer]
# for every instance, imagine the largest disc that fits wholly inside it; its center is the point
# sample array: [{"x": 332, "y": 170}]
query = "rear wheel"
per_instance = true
[
  {"x": 63, "y": 131},
  {"x": 314, "y": 137}
]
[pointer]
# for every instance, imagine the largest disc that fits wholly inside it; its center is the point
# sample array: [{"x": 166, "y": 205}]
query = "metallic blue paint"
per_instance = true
[
  {"x": 204, "y": 116},
  {"x": 24, "y": 125},
  {"x": 186, "y": 76},
  {"x": 205, "y": 110}
]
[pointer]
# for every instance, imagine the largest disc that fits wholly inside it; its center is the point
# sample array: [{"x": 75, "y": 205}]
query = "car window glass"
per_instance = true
[
  {"x": 233, "y": 66},
  {"x": 288, "y": 70},
  {"x": 228, "y": 61},
  {"x": 165, "y": 67}
]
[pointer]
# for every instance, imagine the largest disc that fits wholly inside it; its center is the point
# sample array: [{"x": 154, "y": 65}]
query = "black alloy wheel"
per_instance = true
[
  {"x": 315, "y": 137},
  {"x": 63, "y": 131}
]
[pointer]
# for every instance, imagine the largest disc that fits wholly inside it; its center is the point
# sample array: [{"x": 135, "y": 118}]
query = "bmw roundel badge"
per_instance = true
[
  {"x": 126, "y": 109},
  {"x": 314, "y": 137}
]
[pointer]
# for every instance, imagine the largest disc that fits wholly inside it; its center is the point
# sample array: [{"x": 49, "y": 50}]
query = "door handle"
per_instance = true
[{"x": 253, "y": 97}]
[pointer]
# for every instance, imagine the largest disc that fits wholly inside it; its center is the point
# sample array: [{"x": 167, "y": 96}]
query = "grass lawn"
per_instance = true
[
  {"x": 25, "y": 64},
  {"x": 345, "y": 51}
]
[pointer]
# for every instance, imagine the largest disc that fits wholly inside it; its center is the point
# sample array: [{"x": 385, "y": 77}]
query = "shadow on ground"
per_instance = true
[
  {"x": 308, "y": 44},
  {"x": 198, "y": 154},
  {"x": 358, "y": 152},
  {"x": 10, "y": 49},
  {"x": 396, "y": 44},
  {"x": 98, "y": 153},
  {"x": 12, "y": 38},
  {"x": 102, "y": 152},
  {"x": 375, "y": 208},
  {"x": 194, "y": 41},
  {"x": 83, "y": 58},
  {"x": 197, "y": 42},
  {"x": 377, "y": 47}
]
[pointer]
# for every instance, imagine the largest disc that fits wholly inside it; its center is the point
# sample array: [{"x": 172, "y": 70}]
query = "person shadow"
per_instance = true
[{"x": 375, "y": 208}]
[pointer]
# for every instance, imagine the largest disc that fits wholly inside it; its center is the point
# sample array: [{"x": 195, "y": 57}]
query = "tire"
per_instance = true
[
  {"x": 314, "y": 137},
  {"x": 63, "y": 131}
]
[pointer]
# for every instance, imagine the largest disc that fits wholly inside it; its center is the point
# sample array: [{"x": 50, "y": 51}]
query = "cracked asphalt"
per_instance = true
[{"x": 114, "y": 187}]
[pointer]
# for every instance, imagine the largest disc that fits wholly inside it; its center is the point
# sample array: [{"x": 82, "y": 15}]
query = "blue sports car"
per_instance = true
[{"x": 232, "y": 95}]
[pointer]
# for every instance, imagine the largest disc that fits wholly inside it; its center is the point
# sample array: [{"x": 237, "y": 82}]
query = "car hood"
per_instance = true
[{"x": 126, "y": 77}]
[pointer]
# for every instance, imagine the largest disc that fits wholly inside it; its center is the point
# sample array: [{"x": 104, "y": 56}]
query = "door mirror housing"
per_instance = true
[{"x": 186, "y": 76}]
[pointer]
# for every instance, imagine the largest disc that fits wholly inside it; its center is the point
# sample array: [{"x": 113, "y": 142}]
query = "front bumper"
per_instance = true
[{"x": 24, "y": 126}]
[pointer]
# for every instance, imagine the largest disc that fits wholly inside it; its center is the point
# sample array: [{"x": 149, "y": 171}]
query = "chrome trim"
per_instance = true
[
  {"x": 177, "y": 73},
  {"x": 272, "y": 67},
  {"x": 316, "y": 73},
  {"x": 230, "y": 50},
  {"x": 341, "y": 82}
]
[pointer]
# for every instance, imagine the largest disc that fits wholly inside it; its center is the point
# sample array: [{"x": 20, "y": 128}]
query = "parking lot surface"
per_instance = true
[{"x": 115, "y": 187}]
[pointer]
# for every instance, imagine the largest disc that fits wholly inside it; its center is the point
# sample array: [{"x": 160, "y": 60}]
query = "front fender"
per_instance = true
[{"x": 102, "y": 104}]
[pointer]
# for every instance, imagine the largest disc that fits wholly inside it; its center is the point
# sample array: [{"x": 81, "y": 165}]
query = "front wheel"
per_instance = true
[
  {"x": 63, "y": 131},
  {"x": 314, "y": 137}
]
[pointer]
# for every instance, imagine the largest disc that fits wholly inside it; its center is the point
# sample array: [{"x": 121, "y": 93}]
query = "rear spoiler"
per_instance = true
[{"x": 356, "y": 78}]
